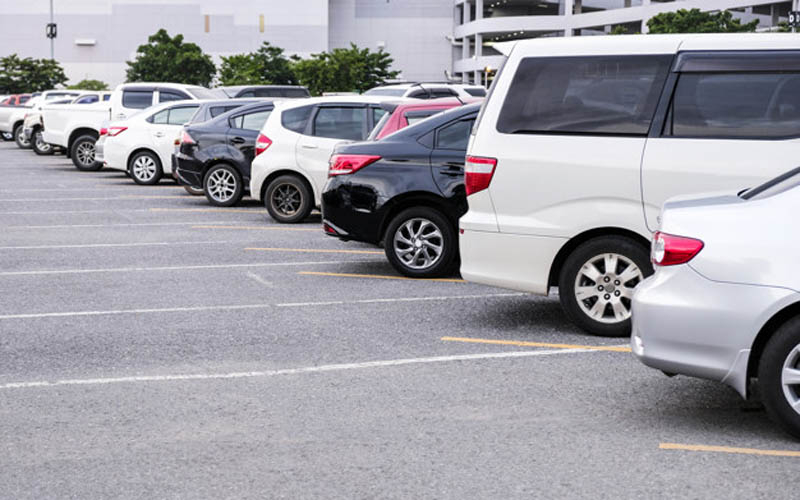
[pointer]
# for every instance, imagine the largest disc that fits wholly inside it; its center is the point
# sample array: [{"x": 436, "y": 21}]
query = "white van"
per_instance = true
[{"x": 582, "y": 139}]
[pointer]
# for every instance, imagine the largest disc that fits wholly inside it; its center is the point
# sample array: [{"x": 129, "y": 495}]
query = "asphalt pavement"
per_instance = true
[{"x": 152, "y": 346}]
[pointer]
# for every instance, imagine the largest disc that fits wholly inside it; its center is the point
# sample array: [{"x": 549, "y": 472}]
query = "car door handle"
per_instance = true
[
  {"x": 309, "y": 146},
  {"x": 237, "y": 140},
  {"x": 159, "y": 134}
]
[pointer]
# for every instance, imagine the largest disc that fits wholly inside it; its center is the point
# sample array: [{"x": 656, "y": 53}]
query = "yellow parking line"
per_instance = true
[
  {"x": 223, "y": 210},
  {"x": 313, "y": 250},
  {"x": 611, "y": 348},
  {"x": 260, "y": 228},
  {"x": 728, "y": 449},
  {"x": 380, "y": 276}
]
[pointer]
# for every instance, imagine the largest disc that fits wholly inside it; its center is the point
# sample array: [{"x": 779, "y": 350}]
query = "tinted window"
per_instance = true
[
  {"x": 88, "y": 99},
  {"x": 171, "y": 95},
  {"x": 417, "y": 116},
  {"x": 377, "y": 114},
  {"x": 737, "y": 105},
  {"x": 294, "y": 93},
  {"x": 476, "y": 92},
  {"x": 218, "y": 110},
  {"x": 248, "y": 93},
  {"x": 24, "y": 99},
  {"x": 297, "y": 118},
  {"x": 137, "y": 99},
  {"x": 584, "y": 95},
  {"x": 376, "y": 130},
  {"x": 251, "y": 121},
  {"x": 161, "y": 118},
  {"x": 106, "y": 97},
  {"x": 340, "y": 123},
  {"x": 454, "y": 135},
  {"x": 181, "y": 115}
]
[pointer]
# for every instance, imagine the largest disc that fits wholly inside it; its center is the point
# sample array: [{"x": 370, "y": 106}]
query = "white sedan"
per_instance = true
[
  {"x": 724, "y": 302},
  {"x": 142, "y": 145}
]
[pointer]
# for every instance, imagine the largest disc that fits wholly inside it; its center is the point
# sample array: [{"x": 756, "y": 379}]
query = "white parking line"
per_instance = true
[
  {"x": 123, "y": 224},
  {"x": 288, "y": 371},
  {"x": 118, "y": 245},
  {"x": 235, "y": 307}
]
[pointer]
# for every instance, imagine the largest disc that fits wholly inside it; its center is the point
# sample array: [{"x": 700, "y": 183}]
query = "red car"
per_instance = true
[
  {"x": 16, "y": 100},
  {"x": 401, "y": 114}
]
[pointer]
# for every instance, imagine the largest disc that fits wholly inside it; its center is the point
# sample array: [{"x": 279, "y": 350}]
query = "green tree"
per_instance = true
[
  {"x": 267, "y": 66},
  {"x": 168, "y": 59},
  {"x": 695, "y": 21},
  {"x": 89, "y": 85},
  {"x": 29, "y": 75},
  {"x": 344, "y": 70}
]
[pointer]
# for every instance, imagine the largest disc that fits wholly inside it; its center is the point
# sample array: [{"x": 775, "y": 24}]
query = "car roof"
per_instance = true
[
  {"x": 245, "y": 107},
  {"x": 424, "y": 126},
  {"x": 341, "y": 99}
]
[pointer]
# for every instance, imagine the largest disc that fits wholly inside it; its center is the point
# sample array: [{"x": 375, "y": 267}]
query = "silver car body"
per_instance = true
[{"x": 702, "y": 318}]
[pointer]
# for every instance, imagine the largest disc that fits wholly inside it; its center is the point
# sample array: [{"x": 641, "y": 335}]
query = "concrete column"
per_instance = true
[
  {"x": 647, "y": 14},
  {"x": 569, "y": 8},
  {"x": 478, "y": 9},
  {"x": 465, "y": 18}
]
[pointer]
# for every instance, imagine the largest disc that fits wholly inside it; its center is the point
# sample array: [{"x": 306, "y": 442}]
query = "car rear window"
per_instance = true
[
  {"x": 137, "y": 99},
  {"x": 215, "y": 111},
  {"x": 614, "y": 95},
  {"x": 251, "y": 121},
  {"x": 296, "y": 119},
  {"x": 476, "y": 92}
]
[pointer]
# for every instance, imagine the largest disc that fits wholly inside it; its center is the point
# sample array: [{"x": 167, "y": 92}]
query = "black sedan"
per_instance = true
[
  {"x": 215, "y": 156},
  {"x": 405, "y": 192}
]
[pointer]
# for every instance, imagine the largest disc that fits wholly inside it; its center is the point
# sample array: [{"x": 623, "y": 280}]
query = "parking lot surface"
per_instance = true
[{"x": 152, "y": 346}]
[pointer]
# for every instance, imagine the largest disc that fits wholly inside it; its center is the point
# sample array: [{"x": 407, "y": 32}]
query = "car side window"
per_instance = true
[
  {"x": 248, "y": 93},
  {"x": 251, "y": 121},
  {"x": 340, "y": 123},
  {"x": 106, "y": 97},
  {"x": 600, "y": 95},
  {"x": 215, "y": 111},
  {"x": 455, "y": 135},
  {"x": 377, "y": 114},
  {"x": 476, "y": 92},
  {"x": 137, "y": 99},
  {"x": 171, "y": 95},
  {"x": 160, "y": 118},
  {"x": 735, "y": 105},
  {"x": 89, "y": 99},
  {"x": 181, "y": 115},
  {"x": 296, "y": 119}
]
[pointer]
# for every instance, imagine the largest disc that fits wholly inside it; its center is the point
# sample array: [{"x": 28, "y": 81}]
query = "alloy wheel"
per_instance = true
[
  {"x": 604, "y": 287},
  {"x": 21, "y": 138},
  {"x": 418, "y": 243},
  {"x": 286, "y": 199},
  {"x": 85, "y": 154},
  {"x": 144, "y": 168},
  {"x": 42, "y": 146},
  {"x": 221, "y": 185},
  {"x": 790, "y": 378}
]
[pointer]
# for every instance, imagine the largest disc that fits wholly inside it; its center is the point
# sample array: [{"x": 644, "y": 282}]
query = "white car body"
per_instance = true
[
  {"x": 13, "y": 116},
  {"x": 554, "y": 190},
  {"x": 64, "y": 122},
  {"x": 33, "y": 118},
  {"x": 130, "y": 98},
  {"x": 431, "y": 90},
  {"x": 302, "y": 154}
]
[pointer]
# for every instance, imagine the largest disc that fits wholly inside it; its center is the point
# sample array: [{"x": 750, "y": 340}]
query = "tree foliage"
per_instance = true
[
  {"x": 169, "y": 59},
  {"x": 29, "y": 75},
  {"x": 266, "y": 66},
  {"x": 89, "y": 85},
  {"x": 344, "y": 70},
  {"x": 695, "y": 21}
]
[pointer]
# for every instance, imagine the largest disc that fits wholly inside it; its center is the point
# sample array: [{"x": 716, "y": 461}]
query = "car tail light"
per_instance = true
[
  {"x": 115, "y": 131},
  {"x": 103, "y": 131},
  {"x": 262, "y": 144},
  {"x": 478, "y": 173},
  {"x": 671, "y": 250},
  {"x": 348, "y": 164},
  {"x": 187, "y": 139}
]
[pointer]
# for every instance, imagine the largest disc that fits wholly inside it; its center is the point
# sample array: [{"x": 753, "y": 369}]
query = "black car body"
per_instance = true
[
  {"x": 216, "y": 155},
  {"x": 275, "y": 91},
  {"x": 212, "y": 109},
  {"x": 414, "y": 174}
]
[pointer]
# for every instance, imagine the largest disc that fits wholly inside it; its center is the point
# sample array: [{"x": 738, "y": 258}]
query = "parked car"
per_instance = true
[
  {"x": 275, "y": 91},
  {"x": 401, "y": 114},
  {"x": 216, "y": 156},
  {"x": 428, "y": 90},
  {"x": 32, "y": 128},
  {"x": 581, "y": 141},
  {"x": 12, "y": 118},
  {"x": 130, "y": 98},
  {"x": 404, "y": 192},
  {"x": 724, "y": 303},
  {"x": 15, "y": 100},
  {"x": 298, "y": 140},
  {"x": 142, "y": 145}
]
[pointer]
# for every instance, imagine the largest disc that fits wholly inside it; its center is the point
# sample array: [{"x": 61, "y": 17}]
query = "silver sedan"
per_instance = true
[{"x": 723, "y": 303}]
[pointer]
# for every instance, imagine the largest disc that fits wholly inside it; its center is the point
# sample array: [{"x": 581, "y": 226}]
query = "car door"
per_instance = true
[
  {"x": 242, "y": 136},
  {"x": 165, "y": 127},
  {"x": 329, "y": 126},
  {"x": 447, "y": 157},
  {"x": 723, "y": 131}
]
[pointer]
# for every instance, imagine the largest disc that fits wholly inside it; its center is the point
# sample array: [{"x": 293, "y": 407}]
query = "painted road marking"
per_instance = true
[
  {"x": 222, "y": 210},
  {"x": 115, "y": 245},
  {"x": 728, "y": 449},
  {"x": 314, "y": 250},
  {"x": 274, "y": 227},
  {"x": 287, "y": 371},
  {"x": 613, "y": 348},
  {"x": 124, "y": 197},
  {"x": 122, "y": 224},
  {"x": 235, "y": 307},
  {"x": 380, "y": 276}
]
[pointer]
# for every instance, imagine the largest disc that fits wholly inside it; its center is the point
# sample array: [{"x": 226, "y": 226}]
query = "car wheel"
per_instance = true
[
  {"x": 597, "y": 282},
  {"x": 82, "y": 153},
  {"x": 223, "y": 186},
  {"x": 7, "y": 136},
  {"x": 288, "y": 199},
  {"x": 38, "y": 145},
  {"x": 19, "y": 138},
  {"x": 421, "y": 242},
  {"x": 193, "y": 190},
  {"x": 145, "y": 168},
  {"x": 779, "y": 377}
]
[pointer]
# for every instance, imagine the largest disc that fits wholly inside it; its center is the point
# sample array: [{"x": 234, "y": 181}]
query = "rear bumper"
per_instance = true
[
  {"x": 350, "y": 223},
  {"x": 188, "y": 171}
]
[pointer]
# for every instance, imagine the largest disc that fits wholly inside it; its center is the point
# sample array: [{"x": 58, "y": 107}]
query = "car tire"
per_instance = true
[
  {"x": 222, "y": 185},
  {"x": 7, "y": 136},
  {"x": 193, "y": 190},
  {"x": 596, "y": 297},
  {"x": 421, "y": 242},
  {"x": 145, "y": 168},
  {"x": 38, "y": 145},
  {"x": 288, "y": 199},
  {"x": 82, "y": 154},
  {"x": 19, "y": 138},
  {"x": 781, "y": 394}
]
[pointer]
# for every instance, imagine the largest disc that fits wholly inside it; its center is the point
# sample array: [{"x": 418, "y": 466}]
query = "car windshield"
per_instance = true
[
  {"x": 389, "y": 92},
  {"x": 779, "y": 184}
]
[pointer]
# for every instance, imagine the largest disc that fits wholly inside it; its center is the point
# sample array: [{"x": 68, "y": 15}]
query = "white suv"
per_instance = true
[
  {"x": 582, "y": 139},
  {"x": 431, "y": 90},
  {"x": 130, "y": 98},
  {"x": 293, "y": 149}
]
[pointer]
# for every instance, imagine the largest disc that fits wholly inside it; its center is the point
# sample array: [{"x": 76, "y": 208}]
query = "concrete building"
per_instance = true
[
  {"x": 481, "y": 23},
  {"x": 96, "y": 37}
]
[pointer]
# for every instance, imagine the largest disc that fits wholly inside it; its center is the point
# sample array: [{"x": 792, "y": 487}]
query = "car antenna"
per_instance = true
[{"x": 430, "y": 96}]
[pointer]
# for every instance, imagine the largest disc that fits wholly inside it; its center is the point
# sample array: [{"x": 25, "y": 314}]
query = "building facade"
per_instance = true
[
  {"x": 479, "y": 24},
  {"x": 96, "y": 37}
]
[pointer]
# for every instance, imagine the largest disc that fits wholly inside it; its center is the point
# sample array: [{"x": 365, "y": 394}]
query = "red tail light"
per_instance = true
[
  {"x": 103, "y": 131},
  {"x": 187, "y": 139},
  {"x": 671, "y": 250},
  {"x": 262, "y": 144},
  {"x": 114, "y": 131},
  {"x": 478, "y": 173},
  {"x": 348, "y": 164}
]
